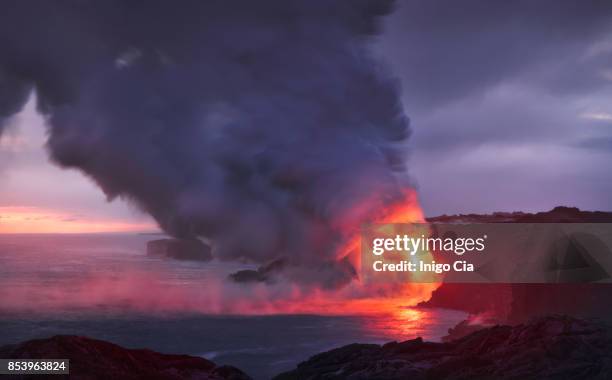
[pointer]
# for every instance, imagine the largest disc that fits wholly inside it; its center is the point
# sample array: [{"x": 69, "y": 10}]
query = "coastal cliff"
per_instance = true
[{"x": 515, "y": 303}]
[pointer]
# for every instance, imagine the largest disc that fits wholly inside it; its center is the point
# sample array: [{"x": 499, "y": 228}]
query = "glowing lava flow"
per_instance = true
[
  {"x": 357, "y": 298},
  {"x": 360, "y": 298},
  {"x": 405, "y": 211}
]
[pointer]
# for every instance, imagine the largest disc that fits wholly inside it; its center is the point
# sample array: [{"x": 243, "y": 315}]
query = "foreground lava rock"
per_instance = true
[
  {"x": 547, "y": 348},
  {"x": 95, "y": 359}
]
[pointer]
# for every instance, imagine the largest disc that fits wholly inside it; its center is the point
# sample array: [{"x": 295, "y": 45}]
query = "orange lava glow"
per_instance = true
[
  {"x": 385, "y": 298},
  {"x": 407, "y": 210},
  {"x": 392, "y": 300},
  {"x": 17, "y": 220}
]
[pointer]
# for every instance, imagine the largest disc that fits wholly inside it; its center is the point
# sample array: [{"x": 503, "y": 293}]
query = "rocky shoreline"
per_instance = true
[
  {"x": 92, "y": 359},
  {"x": 554, "y": 347}
]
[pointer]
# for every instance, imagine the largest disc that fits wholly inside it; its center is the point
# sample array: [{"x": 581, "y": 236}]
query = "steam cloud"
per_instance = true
[{"x": 265, "y": 127}]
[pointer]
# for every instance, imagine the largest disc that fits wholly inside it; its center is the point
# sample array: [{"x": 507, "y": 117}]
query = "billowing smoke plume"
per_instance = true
[{"x": 265, "y": 127}]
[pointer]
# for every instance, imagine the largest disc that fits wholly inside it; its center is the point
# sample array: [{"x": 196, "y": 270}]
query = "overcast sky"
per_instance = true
[
  {"x": 510, "y": 102},
  {"x": 510, "y": 105}
]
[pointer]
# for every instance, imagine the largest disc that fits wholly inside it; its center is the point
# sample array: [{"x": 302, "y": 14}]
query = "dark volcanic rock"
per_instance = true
[
  {"x": 96, "y": 359},
  {"x": 515, "y": 303},
  {"x": 548, "y": 348},
  {"x": 180, "y": 249},
  {"x": 580, "y": 300},
  {"x": 473, "y": 298},
  {"x": 563, "y": 214},
  {"x": 247, "y": 275},
  {"x": 560, "y": 214},
  {"x": 468, "y": 326},
  {"x": 265, "y": 273}
]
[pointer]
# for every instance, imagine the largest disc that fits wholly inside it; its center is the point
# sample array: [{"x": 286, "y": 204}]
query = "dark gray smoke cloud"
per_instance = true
[
  {"x": 447, "y": 50},
  {"x": 265, "y": 127}
]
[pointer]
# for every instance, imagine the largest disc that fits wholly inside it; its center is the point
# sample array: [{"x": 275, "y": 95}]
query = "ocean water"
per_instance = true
[{"x": 106, "y": 287}]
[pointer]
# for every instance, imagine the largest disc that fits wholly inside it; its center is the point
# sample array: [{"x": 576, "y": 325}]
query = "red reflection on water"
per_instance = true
[
  {"x": 157, "y": 291},
  {"x": 403, "y": 322}
]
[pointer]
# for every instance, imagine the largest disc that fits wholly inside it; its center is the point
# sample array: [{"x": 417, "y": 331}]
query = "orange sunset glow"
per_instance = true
[{"x": 37, "y": 220}]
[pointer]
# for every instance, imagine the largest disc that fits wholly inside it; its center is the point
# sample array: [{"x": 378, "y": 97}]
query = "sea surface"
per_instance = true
[{"x": 106, "y": 287}]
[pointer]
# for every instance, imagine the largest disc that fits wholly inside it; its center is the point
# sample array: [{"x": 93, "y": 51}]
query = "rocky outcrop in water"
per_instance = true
[
  {"x": 265, "y": 273},
  {"x": 552, "y": 348},
  {"x": 180, "y": 249},
  {"x": 92, "y": 359}
]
